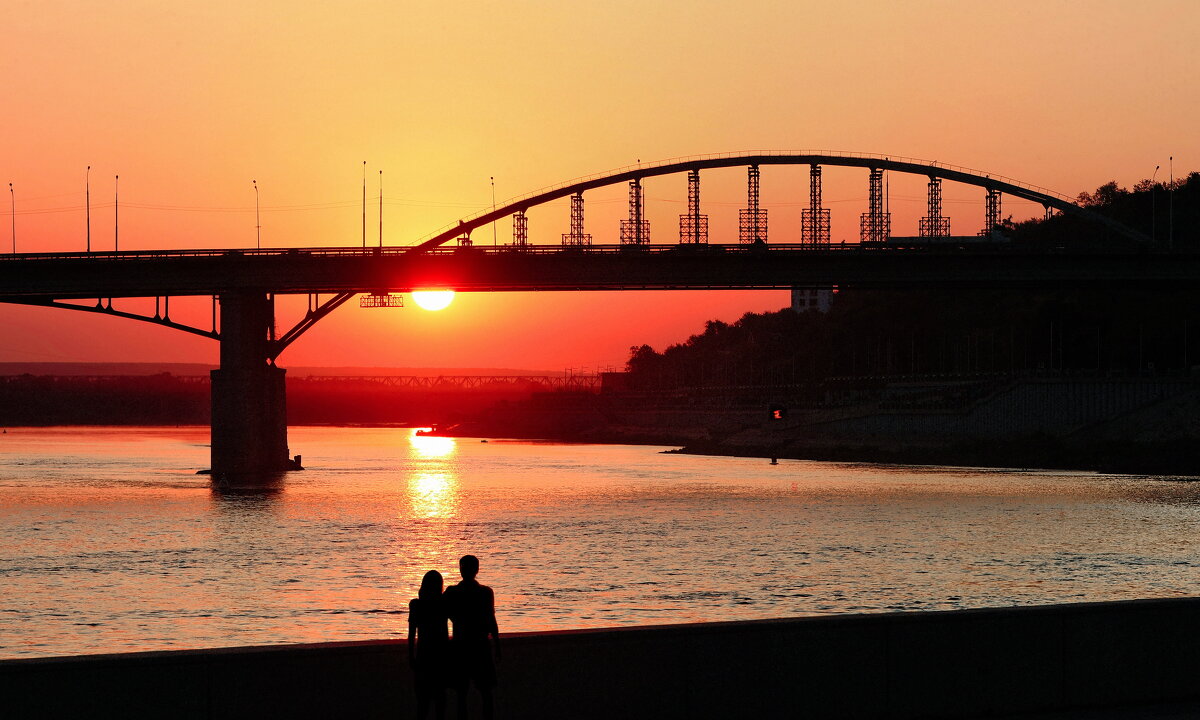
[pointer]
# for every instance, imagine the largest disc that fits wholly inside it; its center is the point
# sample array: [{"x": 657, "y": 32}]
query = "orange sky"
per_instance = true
[{"x": 188, "y": 102}]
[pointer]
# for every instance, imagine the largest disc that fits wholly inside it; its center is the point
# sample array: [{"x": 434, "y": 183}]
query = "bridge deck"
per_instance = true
[{"x": 657, "y": 267}]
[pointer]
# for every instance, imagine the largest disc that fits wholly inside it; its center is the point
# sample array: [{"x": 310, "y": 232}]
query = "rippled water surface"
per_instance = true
[{"x": 110, "y": 542}]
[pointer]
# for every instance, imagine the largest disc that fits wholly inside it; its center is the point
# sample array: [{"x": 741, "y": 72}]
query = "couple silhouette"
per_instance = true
[{"x": 437, "y": 660}]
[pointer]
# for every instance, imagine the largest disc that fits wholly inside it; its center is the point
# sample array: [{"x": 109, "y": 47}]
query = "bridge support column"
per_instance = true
[
  {"x": 249, "y": 406},
  {"x": 814, "y": 220},
  {"x": 875, "y": 225},
  {"x": 752, "y": 221},
  {"x": 520, "y": 230},
  {"x": 991, "y": 215},
  {"x": 693, "y": 227},
  {"x": 577, "y": 237},
  {"x": 935, "y": 225},
  {"x": 636, "y": 230}
]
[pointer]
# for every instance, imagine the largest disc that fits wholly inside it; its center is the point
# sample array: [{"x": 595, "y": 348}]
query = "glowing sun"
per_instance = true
[{"x": 433, "y": 299}]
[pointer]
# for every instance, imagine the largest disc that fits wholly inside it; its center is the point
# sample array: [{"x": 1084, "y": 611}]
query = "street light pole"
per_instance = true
[
  {"x": 257, "y": 220},
  {"x": 1171, "y": 205},
  {"x": 1153, "y": 207}
]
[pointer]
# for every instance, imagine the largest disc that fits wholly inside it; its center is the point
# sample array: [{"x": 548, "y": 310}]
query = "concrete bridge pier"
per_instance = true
[{"x": 249, "y": 403}]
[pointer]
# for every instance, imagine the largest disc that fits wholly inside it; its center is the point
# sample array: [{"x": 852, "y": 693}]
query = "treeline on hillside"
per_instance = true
[
  {"x": 161, "y": 399},
  {"x": 1167, "y": 212},
  {"x": 930, "y": 332},
  {"x": 871, "y": 333}
]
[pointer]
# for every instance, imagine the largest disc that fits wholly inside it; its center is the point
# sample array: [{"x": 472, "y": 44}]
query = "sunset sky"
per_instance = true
[{"x": 189, "y": 102}]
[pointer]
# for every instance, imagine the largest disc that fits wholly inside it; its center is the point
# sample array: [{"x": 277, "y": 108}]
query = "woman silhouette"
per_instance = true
[{"x": 428, "y": 645}]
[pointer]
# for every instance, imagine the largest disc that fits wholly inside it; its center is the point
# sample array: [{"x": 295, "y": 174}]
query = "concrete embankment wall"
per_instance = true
[
  {"x": 1053, "y": 408},
  {"x": 972, "y": 663},
  {"x": 930, "y": 414}
]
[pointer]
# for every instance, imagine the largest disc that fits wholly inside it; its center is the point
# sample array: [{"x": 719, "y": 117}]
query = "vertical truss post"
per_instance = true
[
  {"x": 693, "y": 227},
  {"x": 577, "y": 236},
  {"x": 934, "y": 225},
  {"x": 635, "y": 230},
  {"x": 814, "y": 220},
  {"x": 637, "y": 211},
  {"x": 752, "y": 221},
  {"x": 991, "y": 212},
  {"x": 520, "y": 230},
  {"x": 875, "y": 225}
]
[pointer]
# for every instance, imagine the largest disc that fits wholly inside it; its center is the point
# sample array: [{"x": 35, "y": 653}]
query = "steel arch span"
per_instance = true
[{"x": 912, "y": 166}]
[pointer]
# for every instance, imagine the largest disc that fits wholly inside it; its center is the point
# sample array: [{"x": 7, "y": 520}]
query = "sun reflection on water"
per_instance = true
[
  {"x": 571, "y": 536},
  {"x": 433, "y": 495},
  {"x": 431, "y": 446},
  {"x": 433, "y": 488}
]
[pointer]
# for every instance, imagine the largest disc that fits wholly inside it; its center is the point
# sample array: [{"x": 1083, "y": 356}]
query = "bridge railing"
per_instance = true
[{"x": 395, "y": 251}]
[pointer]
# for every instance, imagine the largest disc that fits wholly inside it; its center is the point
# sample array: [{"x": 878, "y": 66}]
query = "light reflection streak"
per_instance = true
[
  {"x": 433, "y": 488},
  {"x": 433, "y": 495},
  {"x": 431, "y": 446}
]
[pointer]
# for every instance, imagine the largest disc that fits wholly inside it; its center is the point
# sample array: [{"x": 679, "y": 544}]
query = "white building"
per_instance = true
[{"x": 807, "y": 299}]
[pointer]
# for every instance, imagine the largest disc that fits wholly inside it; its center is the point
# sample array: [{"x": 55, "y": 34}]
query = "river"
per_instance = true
[{"x": 110, "y": 542}]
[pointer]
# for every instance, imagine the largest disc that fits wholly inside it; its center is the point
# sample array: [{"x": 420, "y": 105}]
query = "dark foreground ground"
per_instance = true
[
  {"x": 1169, "y": 711},
  {"x": 1107, "y": 661}
]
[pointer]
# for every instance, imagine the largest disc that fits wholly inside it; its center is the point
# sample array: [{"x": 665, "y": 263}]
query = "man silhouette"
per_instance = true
[{"x": 472, "y": 610}]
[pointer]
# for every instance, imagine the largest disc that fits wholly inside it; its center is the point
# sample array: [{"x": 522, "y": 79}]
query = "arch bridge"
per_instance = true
[
  {"x": 249, "y": 433},
  {"x": 875, "y": 225}
]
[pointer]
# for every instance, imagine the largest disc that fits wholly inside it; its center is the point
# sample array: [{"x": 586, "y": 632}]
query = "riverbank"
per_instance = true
[
  {"x": 962, "y": 664},
  {"x": 1144, "y": 425},
  {"x": 1176, "y": 460},
  {"x": 1139, "y": 426}
]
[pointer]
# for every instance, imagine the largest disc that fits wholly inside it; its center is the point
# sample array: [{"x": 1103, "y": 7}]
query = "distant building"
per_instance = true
[{"x": 807, "y": 299}]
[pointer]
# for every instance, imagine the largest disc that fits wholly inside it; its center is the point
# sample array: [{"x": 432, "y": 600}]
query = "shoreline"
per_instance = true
[
  {"x": 1175, "y": 460},
  {"x": 1141, "y": 466}
]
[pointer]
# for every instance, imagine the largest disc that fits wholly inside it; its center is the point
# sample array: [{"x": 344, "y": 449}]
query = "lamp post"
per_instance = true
[
  {"x": 1153, "y": 207},
  {"x": 257, "y": 220},
  {"x": 1171, "y": 205},
  {"x": 87, "y": 199}
]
